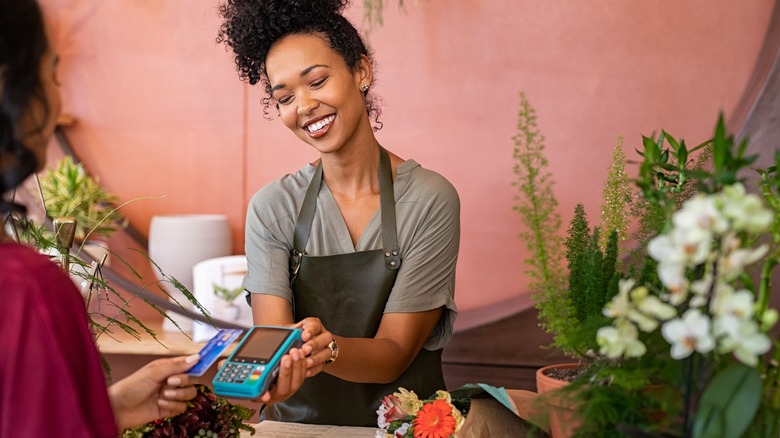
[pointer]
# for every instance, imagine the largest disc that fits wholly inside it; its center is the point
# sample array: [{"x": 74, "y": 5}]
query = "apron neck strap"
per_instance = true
[{"x": 387, "y": 208}]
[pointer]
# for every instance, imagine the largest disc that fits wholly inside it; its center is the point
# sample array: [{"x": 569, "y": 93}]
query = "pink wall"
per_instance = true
[{"x": 161, "y": 112}]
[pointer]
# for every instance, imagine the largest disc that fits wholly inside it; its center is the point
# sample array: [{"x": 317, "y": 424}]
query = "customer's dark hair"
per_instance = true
[
  {"x": 251, "y": 27},
  {"x": 23, "y": 43}
]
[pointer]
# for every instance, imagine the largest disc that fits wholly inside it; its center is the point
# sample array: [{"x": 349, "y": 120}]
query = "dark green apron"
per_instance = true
[{"x": 348, "y": 293}]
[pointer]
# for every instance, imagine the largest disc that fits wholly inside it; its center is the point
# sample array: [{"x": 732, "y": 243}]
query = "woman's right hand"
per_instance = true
[
  {"x": 292, "y": 373},
  {"x": 316, "y": 340}
]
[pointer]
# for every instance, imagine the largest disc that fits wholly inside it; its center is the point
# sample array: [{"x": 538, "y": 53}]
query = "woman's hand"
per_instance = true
[
  {"x": 292, "y": 373},
  {"x": 159, "y": 389},
  {"x": 316, "y": 339}
]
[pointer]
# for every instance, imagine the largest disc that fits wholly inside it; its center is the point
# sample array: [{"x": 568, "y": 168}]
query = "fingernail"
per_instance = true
[
  {"x": 174, "y": 381},
  {"x": 192, "y": 359},
  {"x": 309, "y": 362},
  {"x": 169, "y": 393}
]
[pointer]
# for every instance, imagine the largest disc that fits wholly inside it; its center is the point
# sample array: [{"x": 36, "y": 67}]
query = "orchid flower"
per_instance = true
[
  {"x": 688, "y": 334},
  {"x": 620, "y": 341},
  {"x": 745, "y": 210},
  {"x": 700, "y": 213}
]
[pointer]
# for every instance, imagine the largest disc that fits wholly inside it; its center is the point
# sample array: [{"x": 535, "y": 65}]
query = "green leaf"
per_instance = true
[
  {"x": 729, "y": 403},
  {"x": 672, "y": 141}
]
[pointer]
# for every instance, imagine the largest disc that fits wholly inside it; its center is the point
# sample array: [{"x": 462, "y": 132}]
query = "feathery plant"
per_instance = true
[
  {"x": 568, "y": 307},
  {"x": 617, "y": 199},
  {"x": 536, "y": 203}
]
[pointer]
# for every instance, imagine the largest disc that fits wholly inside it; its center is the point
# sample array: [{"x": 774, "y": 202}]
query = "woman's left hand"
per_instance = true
[
  {"x": 316, "y": 339},
  {"x": 159, "y": 389}
]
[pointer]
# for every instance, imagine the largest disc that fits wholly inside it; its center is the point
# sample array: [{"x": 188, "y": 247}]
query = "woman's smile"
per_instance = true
[{"x": 318, "y": 128}]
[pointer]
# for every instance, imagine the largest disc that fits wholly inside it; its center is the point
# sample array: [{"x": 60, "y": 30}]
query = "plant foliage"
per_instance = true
[
  {"x": 69, "y": 191},
  {"x": 536, "y": 204},
  {"x": 689, "y": 332}
]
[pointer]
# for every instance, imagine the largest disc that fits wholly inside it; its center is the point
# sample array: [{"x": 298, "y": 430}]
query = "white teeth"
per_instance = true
[{"x": 314, "y": 127}]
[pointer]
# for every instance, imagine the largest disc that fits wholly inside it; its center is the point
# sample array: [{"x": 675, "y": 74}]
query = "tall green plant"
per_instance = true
[
  {"x": 536, "y": 203},
  {"x": 617, "y": 198},
  {"x": 593, "y": 279}
]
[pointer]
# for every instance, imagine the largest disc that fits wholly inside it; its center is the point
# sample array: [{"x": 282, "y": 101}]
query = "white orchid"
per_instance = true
[
  {"x": 672, "y": 276},
  {"x": 745, "y": 210},
  {"x": 651, "y": 305},
  {"x": 620, "y": 341},
  {"x": 733, "y": 263},
  {"x": 686, "y": 246},
  {"x": 739, "y": 304},
  {"x": 688, "y": 334},
  {"x": 700, "y": 213},
  {"x": 742, "y": 337},
  {"x": 701, "y": 288},
  {"x": 620, "y": 305}
]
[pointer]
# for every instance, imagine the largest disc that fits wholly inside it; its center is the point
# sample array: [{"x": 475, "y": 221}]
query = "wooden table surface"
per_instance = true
[{"x": 167, "y": 343}]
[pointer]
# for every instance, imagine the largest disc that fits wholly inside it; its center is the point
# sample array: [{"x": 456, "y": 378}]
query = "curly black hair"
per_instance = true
[
  {"x": 251, "y": 27},
  {"x": 23, "y": 43}
]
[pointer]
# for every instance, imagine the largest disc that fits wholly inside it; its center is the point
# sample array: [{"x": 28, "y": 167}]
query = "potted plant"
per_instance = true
[
  {"x": 228, "y": 296},
  {"x": 568, "y": 301},
  {"x": 208, "y": 412},
  {"x": 682, "y": 345},
  {"x": 691, "y": 337},
  {"x": 71, "y": 196},
  {"x": 69, "y": 191},
  {"x": 572, "y": 303}
]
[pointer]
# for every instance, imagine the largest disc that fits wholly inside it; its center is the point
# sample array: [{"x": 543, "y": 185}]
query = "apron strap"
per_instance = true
[
  {"x": 387, "y": 207},
  {"x": 306, "y": 215}
]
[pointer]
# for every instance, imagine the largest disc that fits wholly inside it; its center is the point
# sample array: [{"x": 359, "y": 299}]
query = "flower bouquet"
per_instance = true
[
  {"x": 471, "y": 410},
  {"x": 404, "y": 415}
]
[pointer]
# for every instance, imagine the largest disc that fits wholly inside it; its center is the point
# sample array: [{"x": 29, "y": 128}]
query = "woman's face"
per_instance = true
[
  {"x": 37, "y": 125},
  {"x": 319, "y": 96}
]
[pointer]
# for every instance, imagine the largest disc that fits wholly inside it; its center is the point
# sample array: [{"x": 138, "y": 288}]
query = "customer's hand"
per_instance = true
[{"x": 158, "y": 390}]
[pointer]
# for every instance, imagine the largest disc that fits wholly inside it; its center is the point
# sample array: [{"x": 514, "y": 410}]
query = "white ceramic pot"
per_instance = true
[
  {"x": 177, "y": 243},
  {"x": 227, "y": 272}
]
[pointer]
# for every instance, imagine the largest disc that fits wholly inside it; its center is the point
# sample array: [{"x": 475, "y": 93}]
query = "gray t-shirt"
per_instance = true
[{"x": 428, "y": 221}]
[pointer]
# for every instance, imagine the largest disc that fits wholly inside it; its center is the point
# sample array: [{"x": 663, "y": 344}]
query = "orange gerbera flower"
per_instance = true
[{"x": 435, "y": 420}]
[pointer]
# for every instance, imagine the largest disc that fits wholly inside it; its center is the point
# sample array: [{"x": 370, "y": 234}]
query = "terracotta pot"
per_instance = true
[{"x": 562, "y": 407}]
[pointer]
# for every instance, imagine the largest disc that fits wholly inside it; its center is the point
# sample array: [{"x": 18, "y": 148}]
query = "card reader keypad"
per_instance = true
[{"x": 239, "y": 373}]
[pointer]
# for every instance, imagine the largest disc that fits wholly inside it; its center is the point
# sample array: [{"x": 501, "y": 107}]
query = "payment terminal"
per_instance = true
[{"x": 253, "y": 366}]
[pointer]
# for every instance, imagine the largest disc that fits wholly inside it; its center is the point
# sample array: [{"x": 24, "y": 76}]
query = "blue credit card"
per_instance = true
[{"x": 213, "y": 349}]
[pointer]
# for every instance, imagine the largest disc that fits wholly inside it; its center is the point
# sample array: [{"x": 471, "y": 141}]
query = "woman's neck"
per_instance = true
[{"x": 353, "y": 173}]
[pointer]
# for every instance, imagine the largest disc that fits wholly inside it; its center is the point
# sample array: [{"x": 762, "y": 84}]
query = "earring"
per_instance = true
[{"x": 364, "y": 88}]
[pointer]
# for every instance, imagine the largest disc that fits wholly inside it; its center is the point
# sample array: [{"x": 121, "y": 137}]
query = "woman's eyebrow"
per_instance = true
[{"x": 304, "y": 72}]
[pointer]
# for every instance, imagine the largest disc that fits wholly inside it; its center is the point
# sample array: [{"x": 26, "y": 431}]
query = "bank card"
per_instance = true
[{"x": 213, "y": 349}]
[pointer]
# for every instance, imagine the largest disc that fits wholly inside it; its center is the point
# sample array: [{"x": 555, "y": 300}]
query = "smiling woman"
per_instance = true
[
  {"x": 157, "y": 111},
  {"x": 371, "y": 239},
  {"x": 312, "y": 84}
]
